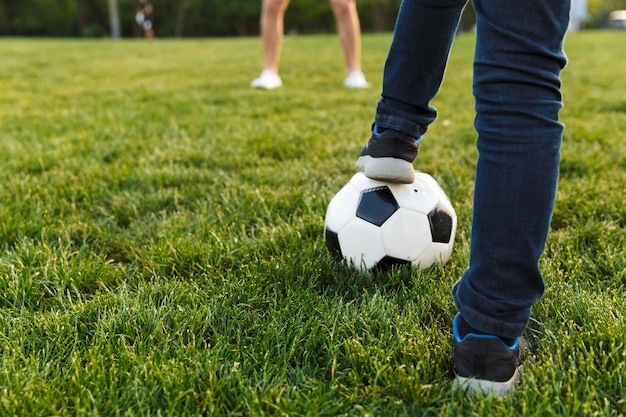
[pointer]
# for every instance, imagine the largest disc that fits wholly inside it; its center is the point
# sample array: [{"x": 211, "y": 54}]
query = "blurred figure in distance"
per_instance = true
[
  {"x": 272, "y": 32},
  {"x": 143, "y": 17}
]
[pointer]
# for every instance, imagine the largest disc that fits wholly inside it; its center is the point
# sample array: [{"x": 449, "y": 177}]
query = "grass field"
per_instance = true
[{"x": 161, "y": 248}]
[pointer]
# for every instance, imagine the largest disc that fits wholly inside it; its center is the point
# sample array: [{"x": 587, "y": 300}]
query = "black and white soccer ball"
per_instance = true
[{"x": 375, "y": 225}]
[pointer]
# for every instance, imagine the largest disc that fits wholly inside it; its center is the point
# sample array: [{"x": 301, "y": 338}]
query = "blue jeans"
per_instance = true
[{"x": 517, "y": 63}]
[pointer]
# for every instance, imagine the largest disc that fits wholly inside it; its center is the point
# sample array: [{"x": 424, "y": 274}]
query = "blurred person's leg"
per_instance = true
[
  {"x": 349, "y": 30},
  {"x": 272, "y": 32}
]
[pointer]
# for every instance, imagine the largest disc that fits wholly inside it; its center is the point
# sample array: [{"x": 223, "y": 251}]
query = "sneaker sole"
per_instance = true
[
  {"x": 265, "y": 87},
  {"x": 474, "y": 386},
  {"x": 387, "y": 169},
  {"x": 357, "y": 86}
]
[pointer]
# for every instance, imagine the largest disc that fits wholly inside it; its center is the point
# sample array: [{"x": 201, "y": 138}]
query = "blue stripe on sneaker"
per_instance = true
[
  {"x": 459, "y": 339},
  {"x": 377, "y": 133}
]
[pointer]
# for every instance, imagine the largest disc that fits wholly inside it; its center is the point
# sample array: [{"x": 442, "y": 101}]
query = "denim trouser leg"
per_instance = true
[
  {"x": 416, "y": 62},
  {"x": 517, "y": 89}
]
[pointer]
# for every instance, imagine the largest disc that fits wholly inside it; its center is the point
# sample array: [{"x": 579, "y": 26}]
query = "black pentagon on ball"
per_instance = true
[
  {"x": 389, "y": 262},
  {"x": 440, "y": 224},
  {"x": 376, "y": 205},
  {"x": 332, "y": 243}
]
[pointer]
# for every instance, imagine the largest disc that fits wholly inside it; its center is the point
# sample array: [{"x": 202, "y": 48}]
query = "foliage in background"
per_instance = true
[
  {"x": 199, "y": 18},
  {"x": 191, "y": 18}
]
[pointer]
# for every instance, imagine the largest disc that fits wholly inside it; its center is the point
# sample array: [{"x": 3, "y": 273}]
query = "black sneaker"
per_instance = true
[
  {"x": 389, "y": 157},
  {"x": 485, "y": 363}
]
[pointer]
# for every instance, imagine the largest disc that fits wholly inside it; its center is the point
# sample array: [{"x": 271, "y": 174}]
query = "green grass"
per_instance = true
[{"x": 162, "y": 252}]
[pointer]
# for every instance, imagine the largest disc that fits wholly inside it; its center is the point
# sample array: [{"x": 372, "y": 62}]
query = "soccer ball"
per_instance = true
[{"x": 375, "y": 225}]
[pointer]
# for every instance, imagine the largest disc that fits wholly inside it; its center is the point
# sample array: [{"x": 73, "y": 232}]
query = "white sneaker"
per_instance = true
[
  {"x": 356, "y": 79},
  {"x": 268, "y": 80}
]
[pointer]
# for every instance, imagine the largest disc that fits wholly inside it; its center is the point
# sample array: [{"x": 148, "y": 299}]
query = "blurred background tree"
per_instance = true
[{"x": 200, "y": 18}]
